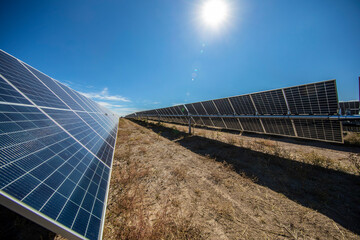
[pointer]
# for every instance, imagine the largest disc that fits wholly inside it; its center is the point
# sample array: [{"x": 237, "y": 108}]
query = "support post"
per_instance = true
[{"x": 189, "y": 125}]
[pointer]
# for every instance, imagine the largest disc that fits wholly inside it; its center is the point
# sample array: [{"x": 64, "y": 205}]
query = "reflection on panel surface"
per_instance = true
[
  {"x": 15, "y": 72},
  {"x": 56, "y": 149}
]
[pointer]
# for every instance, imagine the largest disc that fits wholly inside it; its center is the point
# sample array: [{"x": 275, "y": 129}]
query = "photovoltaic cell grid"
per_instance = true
[
  {"x": 56, "y": 149},
  {"x": 311, "y": 99}
]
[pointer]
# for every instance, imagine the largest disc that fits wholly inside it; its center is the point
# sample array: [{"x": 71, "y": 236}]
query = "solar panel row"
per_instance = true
[
  {"x": 350, "y": 107},
  {"x": 56, "y": 150},
  {"x": 311, "y": 99},
  {"x": 351, "y": 128}
]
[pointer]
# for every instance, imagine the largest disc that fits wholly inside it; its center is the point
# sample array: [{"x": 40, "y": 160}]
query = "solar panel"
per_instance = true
[
  {"x": 351, "y": 128},
  {"x": 191, "y": 109},
  {"x": 15, "y": 72},
  {"x": 316, "y": 98},
  {"x": 349, "y": 107},
  {"x": 210, "y": 108},
  {"x": 224, "y": 106},
  {"x": 182, "y": 109},
  {"x": 319, "y": 129},
  {"x": 233, "y": 123},
  {"x": 200, "y": 110},
  {"x": 56, "y": 150},
  {"x": 207, "y": 121},
  {"x": 180, "y": 112},
  {"x": 174, "y": 111},
  {"x": 279, "y": 126},
  {"x": 306, "y": 111},
  {"x": 270, "y": 102},
  {"x": 243, "y": 105},
  {"x": 218, "y": 122},
  {"x": 251, "y": 125},
  {"x": 197, "y": 121},
  {"x": 168, "y": 112},
  {"x": 9, "y": 94},
  {"x": 55, "y": 88}
]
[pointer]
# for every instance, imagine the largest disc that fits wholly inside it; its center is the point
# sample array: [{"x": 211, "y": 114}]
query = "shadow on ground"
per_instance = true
[
  {"x": 16, "y": 227},
  {"x": 344, "y": 147},
  {"x": 332, "y": 193}
]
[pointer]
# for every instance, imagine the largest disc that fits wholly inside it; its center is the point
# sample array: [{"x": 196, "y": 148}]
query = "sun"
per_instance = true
[{"x": 214, "y": 12}]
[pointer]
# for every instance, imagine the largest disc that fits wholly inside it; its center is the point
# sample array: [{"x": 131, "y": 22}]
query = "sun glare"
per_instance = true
[{"x": 214, "y": 12}]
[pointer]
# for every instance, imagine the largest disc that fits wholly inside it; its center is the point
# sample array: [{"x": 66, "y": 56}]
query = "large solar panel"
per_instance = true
[
  {"x": 316, "y": 98},
  {"x": 270, "y": 102},
  {"x": 56, "y": 151},
  {"x": 291, "y": 111},
  {"x": 319, "y": 129}
]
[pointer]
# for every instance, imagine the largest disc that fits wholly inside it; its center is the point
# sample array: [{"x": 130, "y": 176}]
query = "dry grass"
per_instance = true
[
  {"x": 161, "y": 190},
  {"x": 355, "y": 160},
  {"x": 129, "y": 215},
  {"x": 179, "y": 173},
  {"x": 340, "y": 161},
  {"x": 317, "y": 159},
  {"x": 352, "y": 138}
]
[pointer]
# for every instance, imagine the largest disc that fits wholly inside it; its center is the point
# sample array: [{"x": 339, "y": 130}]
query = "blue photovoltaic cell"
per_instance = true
[
  {"x": 107, "y": 125},
  {"x": 27, "y": 83},
  {"x": 50, "y": 83},
  {"x": 35, "y": 174},
  {"x": 102, "y": 130},
  {"x": 82, "y": 132},
  {"x": 9, "y": 94},
  {"x": 71, "y": 93},
  {"x": 54, "y": 160},
  {"x": 87, "y": 102}
]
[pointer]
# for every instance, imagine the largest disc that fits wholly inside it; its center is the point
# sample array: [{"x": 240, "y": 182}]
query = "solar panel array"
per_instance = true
[
  {"x": 350, "y": 107},
  {"x": 256, "y": 112},
  {"x": 56, "y": 151}
]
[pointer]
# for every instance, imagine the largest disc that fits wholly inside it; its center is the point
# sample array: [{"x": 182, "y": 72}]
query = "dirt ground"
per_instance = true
[
  {"x": 166, "y": 184},
  {"x": 214, "y": 185}
]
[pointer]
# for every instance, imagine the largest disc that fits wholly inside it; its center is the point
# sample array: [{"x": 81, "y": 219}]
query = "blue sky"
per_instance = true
[{"x": 134, "y": 55}]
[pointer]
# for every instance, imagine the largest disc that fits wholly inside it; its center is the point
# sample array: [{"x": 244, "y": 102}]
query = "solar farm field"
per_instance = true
[
  {"x": 273, "y": 164},
  {"x": 167, "y": 184}
]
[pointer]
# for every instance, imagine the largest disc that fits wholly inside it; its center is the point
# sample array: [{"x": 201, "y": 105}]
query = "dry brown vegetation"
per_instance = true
[
  {"x": 341, "y": 158},
  {"x": 352, "y": 138},
  {"x": 213, "y": 185},
  {"x": 137, "y": 207}
]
